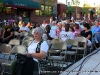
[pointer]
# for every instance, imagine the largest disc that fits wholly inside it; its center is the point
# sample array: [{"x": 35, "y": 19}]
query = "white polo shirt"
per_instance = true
[{"x": 32, "y": 48}]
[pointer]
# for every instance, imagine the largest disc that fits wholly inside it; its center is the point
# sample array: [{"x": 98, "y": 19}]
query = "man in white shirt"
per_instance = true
[
  {"x": 24, "y": 28},
  {"x": 49, "y": 34},
  {"x": 64, "y": 35}
]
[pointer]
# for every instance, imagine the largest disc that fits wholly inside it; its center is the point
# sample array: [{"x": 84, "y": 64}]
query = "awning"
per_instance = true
[{"x": 30, "y": 4}]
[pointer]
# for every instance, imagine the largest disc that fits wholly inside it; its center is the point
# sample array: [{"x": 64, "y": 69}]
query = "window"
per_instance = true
[
  {"x": 45, "y": 10},
  {"x": 10, "y": 10},
  {"x": 37, "y": 12},
  {"x": 42, "y": 7}
]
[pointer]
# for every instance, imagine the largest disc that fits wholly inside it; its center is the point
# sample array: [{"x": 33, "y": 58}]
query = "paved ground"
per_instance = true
[{"x": 51, "y": 71}]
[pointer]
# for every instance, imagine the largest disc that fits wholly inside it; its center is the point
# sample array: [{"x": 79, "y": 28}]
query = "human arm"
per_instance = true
[
  {"x": 3, "y": 34},
  {"x": 11, "y": 35},
  {"x": 49, "y": 37},
  {"x": 40, "y": 55},
  {"x": 43, "y": 50},
  {"x": 21, "y": 31}
]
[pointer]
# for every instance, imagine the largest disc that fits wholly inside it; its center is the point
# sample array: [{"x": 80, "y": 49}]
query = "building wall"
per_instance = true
[
  {"x": 35, "y": 18},
  {"x": 61, "y": 8}
]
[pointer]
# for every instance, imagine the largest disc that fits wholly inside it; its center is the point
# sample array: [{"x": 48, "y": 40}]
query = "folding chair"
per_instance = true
[
  {"x": 26, "y": 43},
  {"x": 82, "y": 46},
  {"x": 14, "y": 51},
  {"x": 28, "y": 38},
  {"x": 14, "y": 42},
  {"x": 5, "y": 52},
  {"x": 58, "y": 58},
  {"x": 16, "y": 34},
  {"x": 71, "y": 52},
  {"x": 51, "y": 45}
]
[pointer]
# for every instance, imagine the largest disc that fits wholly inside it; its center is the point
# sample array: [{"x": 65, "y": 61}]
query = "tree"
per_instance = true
[
  {"x": 75, "y": 2},
  {"x": 1, "y": 6},
  {"x": 98, "y": 11},
  {"x": 86, "y": 9}
]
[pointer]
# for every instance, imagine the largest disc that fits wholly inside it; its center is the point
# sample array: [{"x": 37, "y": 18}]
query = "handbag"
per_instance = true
[{"x": 25, "y": 65}]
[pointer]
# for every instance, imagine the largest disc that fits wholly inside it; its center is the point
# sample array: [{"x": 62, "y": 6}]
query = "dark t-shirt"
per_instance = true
[
  {"x": 16, "y": 28},
  {"x": 85, "y": 34},
  {"x": 7, "y": 33}
]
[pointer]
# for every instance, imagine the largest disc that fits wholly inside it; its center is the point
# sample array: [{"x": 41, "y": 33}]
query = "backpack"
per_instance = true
[{"x": 25, "y": 65}]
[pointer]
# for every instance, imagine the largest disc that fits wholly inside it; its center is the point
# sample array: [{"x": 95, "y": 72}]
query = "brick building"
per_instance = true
[
  {"x": 61, "y": 9},
  {"x": 39, "y": 17},
  {"x": 30, "y": 10}
]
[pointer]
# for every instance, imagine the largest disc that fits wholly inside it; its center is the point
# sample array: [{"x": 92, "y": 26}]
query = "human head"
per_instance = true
[
  {"x": 86, "y": 26},
  {"x": 96, "y": 23},
  {"x": 38, "y": 32},
  {"x": 72, "y": 24},
  {"x": 44, "y": 21},
  {"x": 77, "y": 25},
  {"x": 59, "y": 25},
  {"x": 48, "y": 28},
  {"x": 15, "y": 24},
  {"x": 53, "y": 23},
  {"x": 9, "y": 26},
  {"x": 24, "y": 24},
  {"x": 63, "y": 24},
  {"x": 66, "y": 28},
  {"x": 37, "y": 24},
  {"x": 71, "y": 29}
]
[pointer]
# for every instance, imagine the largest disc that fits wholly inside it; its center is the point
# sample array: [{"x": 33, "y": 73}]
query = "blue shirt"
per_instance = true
[
  {"x": 53, "y": 28},
  {"x": 95, "y": 29}
]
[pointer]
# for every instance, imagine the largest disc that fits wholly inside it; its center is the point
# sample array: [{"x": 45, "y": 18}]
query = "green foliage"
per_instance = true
[
  {"x": 75, "y": 2},
  {"x": 1, "y": 6},
  {"x": 3, "y": 27},
  {"x": 46, "y": 1},
  {"x": 85, "y": 9},
  {"x": 45, "y": 11},
  {"x": 69, "y": 9}
]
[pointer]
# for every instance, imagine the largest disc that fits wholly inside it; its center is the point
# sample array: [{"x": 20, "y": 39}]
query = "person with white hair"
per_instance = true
[
  {"x": 53, "y": 27},
  {"x": 77, "y": 29},
  {"x": 59, "y": 29},
  {"x": 33, "y": 52},
  {"x": 63, "y": 25}
]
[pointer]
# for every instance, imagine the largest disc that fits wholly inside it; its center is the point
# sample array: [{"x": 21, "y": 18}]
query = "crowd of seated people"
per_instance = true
[
  {"x": 55, "y": 30},
  {"x": 63, "y": 30}
]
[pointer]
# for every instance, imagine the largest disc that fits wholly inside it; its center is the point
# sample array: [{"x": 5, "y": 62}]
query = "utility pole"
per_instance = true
[{"x": 66, "y": 9}]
